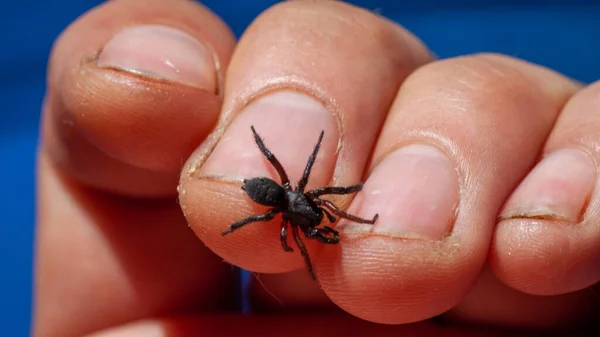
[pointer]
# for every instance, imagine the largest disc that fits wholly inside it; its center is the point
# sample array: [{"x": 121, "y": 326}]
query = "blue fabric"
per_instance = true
[{"x": 551, "y": 32}]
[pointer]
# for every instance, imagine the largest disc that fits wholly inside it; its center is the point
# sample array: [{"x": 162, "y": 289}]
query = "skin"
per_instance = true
[{"x": 117, "y": 255}]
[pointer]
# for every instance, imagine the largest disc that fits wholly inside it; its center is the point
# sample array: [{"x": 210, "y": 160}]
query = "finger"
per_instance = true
[
  {"x": 459, "y": 137},
  {"x": 101, "y": 259},
  {"x": 133, "y": 89},
  {"x": 491, "y": 303},
  {"x": 548, "y": 241},
  {"x": 306, "y": 324},
  {"x": 295, "y": 73}
]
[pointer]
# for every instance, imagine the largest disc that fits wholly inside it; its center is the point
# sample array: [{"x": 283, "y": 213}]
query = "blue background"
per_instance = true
[{"x": 551, "y": 33}]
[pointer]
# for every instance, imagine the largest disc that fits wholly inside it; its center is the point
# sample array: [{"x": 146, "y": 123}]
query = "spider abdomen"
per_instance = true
[{"x": 264, "y": 191}]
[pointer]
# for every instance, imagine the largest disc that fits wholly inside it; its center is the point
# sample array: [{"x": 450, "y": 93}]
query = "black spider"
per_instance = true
[{"x": 301, "y": 210}]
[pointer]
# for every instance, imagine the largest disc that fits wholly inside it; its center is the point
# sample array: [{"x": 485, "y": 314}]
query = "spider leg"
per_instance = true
[
  {"x": 345, "y": 215},
  {"x": 311, "y": 160},
  {"x": 285, "y": 181},
  {"x": 330, "y": 217},
  {"x": 334, "y": 190},
  {"x": 283, "y": 236},
  {"x": 330, "y": 230},
  {"x": 321, "y": 235},
  {"x": 303, "y": 251},
  {"x": 270, "y": 214}
]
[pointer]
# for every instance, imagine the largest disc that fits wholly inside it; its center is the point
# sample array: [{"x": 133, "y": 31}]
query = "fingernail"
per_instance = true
[
  {"x": 414, "y": 190},
  {"x": 558, "y": 187},
  {"x": 161, "y": 52},
  {"x": 289, "y": 124}
]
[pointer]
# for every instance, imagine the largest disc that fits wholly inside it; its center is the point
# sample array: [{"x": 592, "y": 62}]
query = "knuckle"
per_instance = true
[
  {"x": 580, "y": 121},
  {"x": 589, "y": 95},
  {"x": 476, "y": 77},
  {"x": 497, "y": 86},
  {"x": 299, "y": 18},
  {"x": 479, "y": 101},
  {"x": 324, "y": 11}
]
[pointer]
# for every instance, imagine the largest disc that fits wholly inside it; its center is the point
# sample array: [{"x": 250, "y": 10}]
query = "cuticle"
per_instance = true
[
  {"x": 587, "y": 202},
  {"x": 588, "y": 199},
  {"x": 357, "y": 235},
  {"x": 218, "y": 72},
  {"x": 221, "y": 179}
]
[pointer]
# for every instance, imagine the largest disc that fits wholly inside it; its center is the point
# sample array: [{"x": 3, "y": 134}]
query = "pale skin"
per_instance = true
[{"x": 482, "y": 169}]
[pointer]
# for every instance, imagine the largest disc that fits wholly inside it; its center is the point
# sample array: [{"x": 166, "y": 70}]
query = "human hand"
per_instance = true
[{"x": 441, "y": 146}]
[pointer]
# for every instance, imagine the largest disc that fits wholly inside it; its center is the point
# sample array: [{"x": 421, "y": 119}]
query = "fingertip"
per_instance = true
[
  {"x": 140, "y": 82},
  {"x": 211, "y": 204},
  {"x": 391, "y": 280},
  {"x": 141, "y": 121},
  {"x": 541, "y": 257}
]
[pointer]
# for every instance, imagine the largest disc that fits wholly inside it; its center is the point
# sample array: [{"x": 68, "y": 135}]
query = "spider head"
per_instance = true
[{"x": 264, "y": 191}]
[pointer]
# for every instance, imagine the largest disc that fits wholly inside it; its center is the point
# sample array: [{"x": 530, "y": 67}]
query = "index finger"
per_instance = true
[{"x": 295, "y": 74}]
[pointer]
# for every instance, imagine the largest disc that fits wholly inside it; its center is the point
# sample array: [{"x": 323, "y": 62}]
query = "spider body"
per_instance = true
[
  {"x": 303, "y": 211},
  {"x": 294, "y": 206},
  {"x": 265, "y": 191}
]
